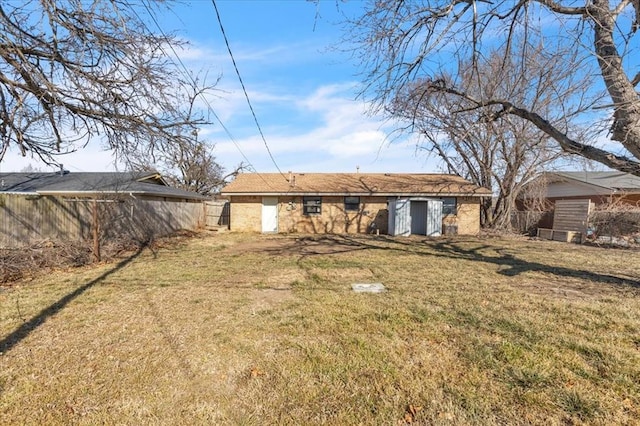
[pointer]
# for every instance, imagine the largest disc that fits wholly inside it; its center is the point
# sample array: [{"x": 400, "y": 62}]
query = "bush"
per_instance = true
[{"x": 619, "y": 221}]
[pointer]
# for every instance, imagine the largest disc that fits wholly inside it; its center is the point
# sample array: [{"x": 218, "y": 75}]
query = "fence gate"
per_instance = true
[{"x": 217, "y": 214}]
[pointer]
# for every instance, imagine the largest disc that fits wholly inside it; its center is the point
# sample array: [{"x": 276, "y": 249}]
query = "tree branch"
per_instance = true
[
  {"x": 564, "y": 10},
  {"x": 569, "y": 145}
]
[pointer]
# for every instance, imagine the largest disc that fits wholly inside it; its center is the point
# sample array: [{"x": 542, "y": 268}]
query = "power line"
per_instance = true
[
  {"x": 188, "y": 75},
  {"x": 246, "y": 95}
]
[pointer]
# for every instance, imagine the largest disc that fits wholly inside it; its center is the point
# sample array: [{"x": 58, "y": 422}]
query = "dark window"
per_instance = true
[
  {"x": 311, "y": 205},
  {"x": 351, "y": 204},
  {"x": 449, "y": 205}
]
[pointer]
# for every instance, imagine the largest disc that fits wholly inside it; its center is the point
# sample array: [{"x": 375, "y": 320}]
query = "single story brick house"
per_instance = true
[{"x": 385, "y": 203}]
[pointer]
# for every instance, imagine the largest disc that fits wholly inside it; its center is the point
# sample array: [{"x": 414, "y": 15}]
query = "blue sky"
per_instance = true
[{"x": 303, "y": 90}]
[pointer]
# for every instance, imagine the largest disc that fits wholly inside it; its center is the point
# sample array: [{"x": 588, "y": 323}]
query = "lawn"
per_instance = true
[{"x": 247, "y": 329}]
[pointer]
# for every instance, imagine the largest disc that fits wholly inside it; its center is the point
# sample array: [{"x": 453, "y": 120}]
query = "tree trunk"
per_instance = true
[{"x": 626, "y": 123}]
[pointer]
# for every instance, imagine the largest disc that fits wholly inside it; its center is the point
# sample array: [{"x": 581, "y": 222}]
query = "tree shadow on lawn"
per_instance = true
[
  {"x": 515, "y": 266},
  {"x": 20, "y": 333},
  {"x": 436, "y": 247}
]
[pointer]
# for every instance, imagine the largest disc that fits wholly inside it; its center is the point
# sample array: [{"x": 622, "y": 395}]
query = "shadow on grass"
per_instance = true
[
  {"x": 446, "y": 248},
  {"x": 19, "y": 334},
  {"x": 515, "y": 266}
]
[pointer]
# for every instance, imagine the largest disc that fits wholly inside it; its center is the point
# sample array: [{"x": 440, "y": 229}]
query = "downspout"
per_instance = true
[{"x": 131, "y": 209}]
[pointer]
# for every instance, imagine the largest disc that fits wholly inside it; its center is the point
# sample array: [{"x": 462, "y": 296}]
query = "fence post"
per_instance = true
[{"x": 96, "y": 231}]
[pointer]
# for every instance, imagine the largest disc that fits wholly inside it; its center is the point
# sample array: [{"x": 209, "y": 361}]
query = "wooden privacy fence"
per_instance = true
[
  {"x": 570, "y": 221},
  {"x": 572, "y": 215},
  {"x": 27, "y": 219}
]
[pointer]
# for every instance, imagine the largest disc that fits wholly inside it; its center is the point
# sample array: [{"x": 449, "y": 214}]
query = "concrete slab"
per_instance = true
[{"x": 368, "y": 288}]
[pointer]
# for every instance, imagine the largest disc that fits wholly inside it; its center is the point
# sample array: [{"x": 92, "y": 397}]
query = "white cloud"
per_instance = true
[
  {"x": 343, "y": 138},
  {"x": 248, "y": 57},
  {"x": 92, "y": 158},
  {"x": 320, "y": 130},
  {"x": 325, "y": 130}
]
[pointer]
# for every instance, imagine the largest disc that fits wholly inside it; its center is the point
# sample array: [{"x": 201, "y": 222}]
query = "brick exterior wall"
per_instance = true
[
  {"x": 467, "y": 218},
  {"x": 334, "y": 219},
  {"x": 246, "y": 216}
]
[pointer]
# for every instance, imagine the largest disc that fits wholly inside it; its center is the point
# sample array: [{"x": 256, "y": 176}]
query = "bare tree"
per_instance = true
[
  {"x": 401, "y": 42},
  {"x": 30, "y": 168},
  {"x": 503, "y": 152},
  {"x": 195, "y": 168},
  {"x": 187, "y": 164},
  {"x": 75, "y": 71},
  {"x": 182, "y": 158}
]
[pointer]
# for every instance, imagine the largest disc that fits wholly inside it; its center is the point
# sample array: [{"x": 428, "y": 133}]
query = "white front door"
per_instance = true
[{"x": 269, "y": 214}]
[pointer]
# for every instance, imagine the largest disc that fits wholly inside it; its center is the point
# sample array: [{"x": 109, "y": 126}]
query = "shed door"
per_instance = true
[
  {"x": 399, "y": 217},
  {"x": 269, "y": 214},
  {"x": 434, "y": 218},
  {"x": 391, "y": 217},
  {"x": 419, "y": 217}
]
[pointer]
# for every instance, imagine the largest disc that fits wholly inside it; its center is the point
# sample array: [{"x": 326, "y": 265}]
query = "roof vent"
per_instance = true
[{"x": 62, "y": 171}]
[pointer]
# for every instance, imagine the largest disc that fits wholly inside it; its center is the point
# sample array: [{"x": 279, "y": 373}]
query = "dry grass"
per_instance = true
[
  {"x": 237, "y": 329},
  {"x": 45, "y": 256}
]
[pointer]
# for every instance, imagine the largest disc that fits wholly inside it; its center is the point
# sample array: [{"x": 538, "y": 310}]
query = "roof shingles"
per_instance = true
[
  {"x": 353, "y": 184},
  {"x": 90, "y": 183},
  {"x": 610, "y": 180}
]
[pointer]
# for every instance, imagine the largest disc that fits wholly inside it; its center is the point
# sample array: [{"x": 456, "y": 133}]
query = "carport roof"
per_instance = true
[{"x": 380, "y": 184}]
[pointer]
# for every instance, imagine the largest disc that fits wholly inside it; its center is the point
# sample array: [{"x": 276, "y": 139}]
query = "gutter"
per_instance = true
[
  {"x": 584, "y": 182},
  {"x": 358, "y": 194},
  {"x": 112, "y": 193},
  {"x": 19, "y": 193}
]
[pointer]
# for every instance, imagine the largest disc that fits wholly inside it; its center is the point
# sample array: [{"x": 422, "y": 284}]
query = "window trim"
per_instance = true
[
  {"x": 351, "y": 206},
  {"x": 454, "y": 211},
  {"x": 313, "y": 203}
]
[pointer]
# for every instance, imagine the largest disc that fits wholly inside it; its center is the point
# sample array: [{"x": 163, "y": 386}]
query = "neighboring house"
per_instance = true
[
  {"x": 145, "y": 185},
  {"x": 599, "y": 187},
  {"x": 389, "y": 203},
  {"x": 74, "y": 206}
]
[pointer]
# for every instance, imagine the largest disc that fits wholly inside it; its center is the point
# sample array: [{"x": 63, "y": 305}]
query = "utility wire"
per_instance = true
[
  {"x": 188, "y": 75},
  {"x": 246, "y": 95}
]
